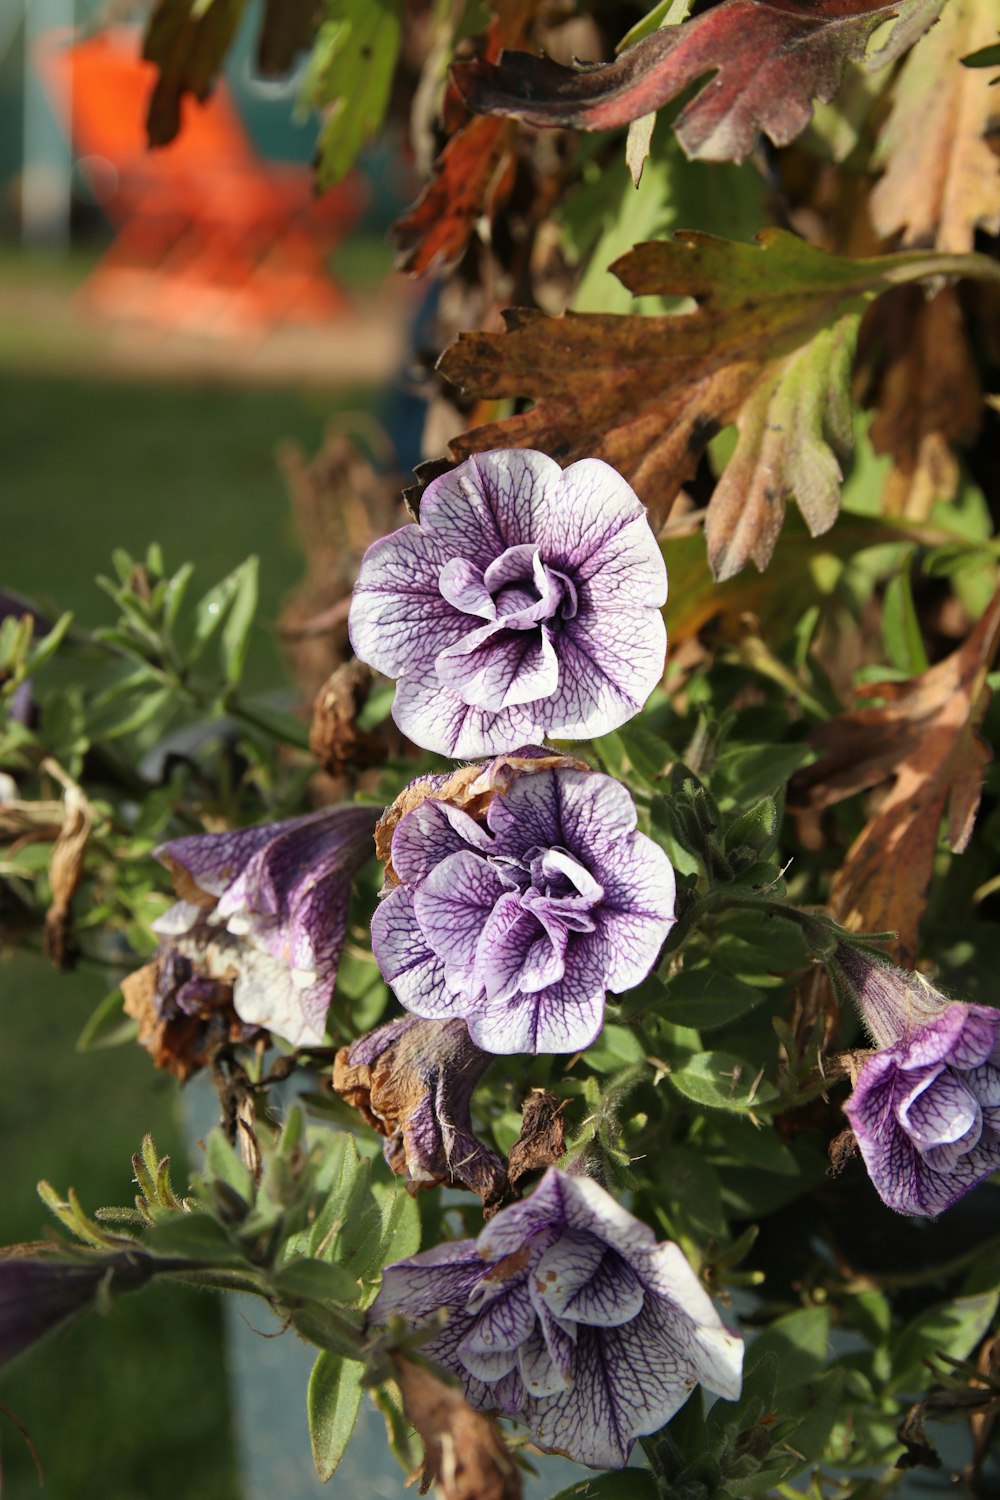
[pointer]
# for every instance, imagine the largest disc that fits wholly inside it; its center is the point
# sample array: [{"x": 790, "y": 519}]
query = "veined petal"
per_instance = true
[
  {"x": 464, "y": 587},
  {"x": 408, "y": 965},
  {"x": 399, "y": 619},
  {"x": 428, "y": 834},
  {"x": 581, "y": 1280},
  {"x": 503, "y": 669},
  {"x": 941, "y": 1112},
  {"x": 609, "y": 663},
  {"x": 516, "y": 953},
  {"x": 454, "y": 902},
  {"x": 491, "y": 502},
  {"x": 435, "y": 716}
]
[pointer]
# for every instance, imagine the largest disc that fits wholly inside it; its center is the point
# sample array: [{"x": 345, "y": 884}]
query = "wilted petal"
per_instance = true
[
  {"x": 582, "y": 1280},
  {"x": 428, "y": 834}
]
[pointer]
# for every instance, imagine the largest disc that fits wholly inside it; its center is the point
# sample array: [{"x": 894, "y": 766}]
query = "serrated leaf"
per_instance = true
[
  {"x": 768, "y": 63},
  {"x": 924, "y": 739},
  {"x": 768, "y": 347},
  {"x": 349, "y": 78},
  {"x": 333, "y": 1402}
]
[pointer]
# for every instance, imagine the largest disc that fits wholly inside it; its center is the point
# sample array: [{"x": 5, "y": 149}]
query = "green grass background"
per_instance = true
[{"x": 134, "y": 1406}]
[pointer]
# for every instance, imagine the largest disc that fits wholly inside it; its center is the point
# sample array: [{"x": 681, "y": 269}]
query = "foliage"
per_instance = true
[{"x": 815, "y": 763}]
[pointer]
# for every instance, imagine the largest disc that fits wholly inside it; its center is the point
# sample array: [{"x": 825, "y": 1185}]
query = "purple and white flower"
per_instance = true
[
  {"x": 522, "y": 922},
  {"x": 567, "y": 1315},
  {"x": 526, "y": 603},
  {"x": 38, "y": 1291},
  {"x": 925, "y": 1108},
  {"x": 269, "y": 905}
]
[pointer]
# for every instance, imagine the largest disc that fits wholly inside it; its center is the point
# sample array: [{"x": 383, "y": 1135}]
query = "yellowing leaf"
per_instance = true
[{"x": 768, "y": 348}]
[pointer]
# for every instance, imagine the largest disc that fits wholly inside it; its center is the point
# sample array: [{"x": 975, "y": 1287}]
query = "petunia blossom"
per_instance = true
[
  {"x": 526, "y": 603},
  {"x": 567, "y": 1315},
  {"x": 266, "y": 907},
  {"x": 926, "y": 1107},
  {"x": 38, "y": 1292},
  {"x": 520, "y": 921}
]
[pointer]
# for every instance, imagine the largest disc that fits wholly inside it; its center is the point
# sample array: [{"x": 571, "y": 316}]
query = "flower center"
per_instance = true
[{"x": 518, "y": 590}]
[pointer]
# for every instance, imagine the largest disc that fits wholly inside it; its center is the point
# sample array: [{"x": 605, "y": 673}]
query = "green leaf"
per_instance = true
[
  {"x": 900, "y": 626},
  {"x": 719, "y": 1080},
  {"x": 801, "y": 1342},
  {"x": 197, "y": 1235},
  {"x": 756, "y": 1145},
  {"x": 627, "y": 1484},
  {"x": 48, "y": 645},
  {"x": 350, "y": 76},
  {"x": 333, "y": 1403},
  {"x": 224, "y": 1164},
  {"x": 749, "y": 772},
  {"x": 695, "y": 1187},
  {"x": 236, "y": 631},
  {"x": 704, "y": 998},
  {"x": 616, "y": 1047},
  {"x": 125, "y": 717},
  {"x": 955, "y": 1328},
  {"x": 986, "y": 57},
  {"x": 107, "y": 1025},
  {"x": 316, "y": 1279}
]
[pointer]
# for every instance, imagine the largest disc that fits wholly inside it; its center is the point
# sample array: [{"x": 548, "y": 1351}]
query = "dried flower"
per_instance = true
[
  {"x": 526, "y": 603},
  {"x": 521, "y": 922},
  {"x": 281, "y": 890},
  {"x": 926, "y": 1107},
  {"x": 413, "y": 1081},
  {"x": 566, "y": 1314}
]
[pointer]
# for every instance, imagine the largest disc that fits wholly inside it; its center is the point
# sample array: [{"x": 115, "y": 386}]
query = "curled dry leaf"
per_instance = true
[
  {"x": 543, "y": 1136},
  {"x": 464, "y": 1455},
  {"x": 769, "y": 60},
  {"x": 768, "y": 348},
  {"x": 474, "y": 173},
  {"x": 66, "y": 872},
  {"x": 335, "y": 737},
  {"x": 923, "y": 739}
]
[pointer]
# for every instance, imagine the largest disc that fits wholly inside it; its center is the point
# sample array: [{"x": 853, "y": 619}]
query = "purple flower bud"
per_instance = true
[
  {"x": 521, "y": 922},
  {"x": 526, "y": 603},
  {"x": 413, "y": 1081},
  {"x": 38, "y": 1293},
  {"x": 276, "y": 897},
  {"x": 566, "y": 1314},
  {"x": 926, "y": 1107}
]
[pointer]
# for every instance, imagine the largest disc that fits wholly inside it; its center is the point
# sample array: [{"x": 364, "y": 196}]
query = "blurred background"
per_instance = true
[{"x": 169, "y": 323}]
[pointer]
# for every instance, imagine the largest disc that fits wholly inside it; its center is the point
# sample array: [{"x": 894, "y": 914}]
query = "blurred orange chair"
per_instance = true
[{"x": 210, "y": 237}]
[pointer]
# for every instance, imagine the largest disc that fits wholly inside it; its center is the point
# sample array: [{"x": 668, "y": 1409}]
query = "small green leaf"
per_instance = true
[
  {"x": 107, "y": 1025},
  {"x": 704, "y": 998},
  {"x": 48, "y": 645},
  {"x": 719, "y": 1080},
  {"x": 350, "y": 76},
  {"x": 128, "y": 717},
  {"x": 223, "y": 1164},
  {"x": 955, "y": 1328},
  {"x": 316, "y": 1279},
  {"x": 900, "y": 627},
  {"x": 333, "y": 1403},
  {"x": 236, "y": 631}
]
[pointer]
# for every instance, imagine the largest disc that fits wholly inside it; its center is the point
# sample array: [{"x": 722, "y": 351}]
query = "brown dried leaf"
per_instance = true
[
  {"x": 942, "y": 178},
  {"x": 769, "y": 59},
  {"x": 923, "y": 740},
  {"x": 929, "y": 397},
  {"x": 464, "y": 1454},
  {"x": 543, "y": 1136},
  {"x": 65, "y": 874},
  {"x": 768, "y": 348},
  {"x": 188, "y": 43},
  {"x": 475, "y": 171},
  {"x": 186, "y": 1043},
  {"x": 335, "y": 737}
]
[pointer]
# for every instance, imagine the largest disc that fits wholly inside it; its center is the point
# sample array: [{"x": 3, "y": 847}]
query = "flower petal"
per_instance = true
[
  {"x": 495, "y": 668},
  {"x": 399, "y": 619},
  {"x": 941, "y": 1112},
  {"x": 453, "y": 905},
  {"x": 428, "y": 834},
  {"x": 609, "y": 663},
  {"x": 581, "y": 1280},
  {"x": 491, "y": 502},
  {"x": 415, "y": 973},
  {"x": 464, "y": 587},
  {"x": 435, "y": 717}
]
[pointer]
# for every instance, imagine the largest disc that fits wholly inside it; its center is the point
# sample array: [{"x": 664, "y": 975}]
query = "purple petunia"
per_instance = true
[
  {"x": 566, "y": 1314},
  {"x": 926, "y": 1108},
  {"x": 526, "y": 603},
  {"x": 520, "y": 923},
  {"x": 268, "y": 905}
]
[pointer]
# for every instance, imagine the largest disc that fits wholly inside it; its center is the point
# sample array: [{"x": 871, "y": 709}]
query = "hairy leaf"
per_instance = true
[
  {"x": 474, "y": 173},
  {"x": 768, "y": 348},
  {"x": 923, "y": 739},
  {"x": 769, "y": 60}
]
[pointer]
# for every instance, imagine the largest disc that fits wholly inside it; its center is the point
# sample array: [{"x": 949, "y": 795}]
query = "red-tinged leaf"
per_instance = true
[
  {"x": 768, "y": 349},
  {"x": 770, "y": 59},
  {"x": 475, "y": 171},
  {"x": 922, "y": 738}
]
